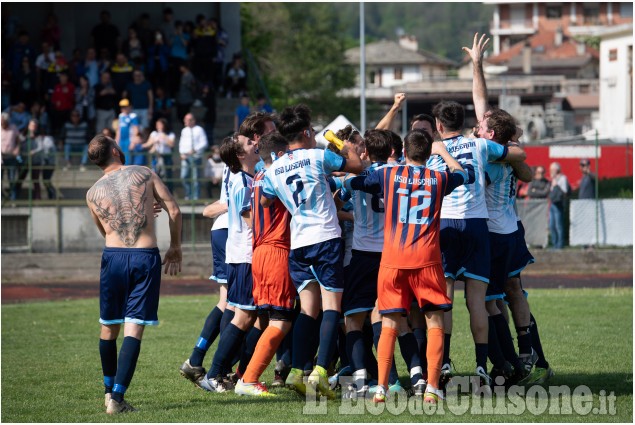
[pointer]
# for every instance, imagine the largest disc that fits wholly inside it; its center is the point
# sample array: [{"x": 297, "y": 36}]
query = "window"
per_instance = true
[
  {"x": 612, "y": 55},
  {"x": 626, "y": 10},
  {"x": 15, "y": 231},
  {"x": 371, "y": 77},
  {"x": 591, "y": 13},
  {"x": 398, "y": 73},
  {"x": 553, "y": 11}
]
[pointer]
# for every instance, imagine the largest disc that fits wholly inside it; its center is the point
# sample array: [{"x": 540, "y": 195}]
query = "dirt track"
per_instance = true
[{"x": 52, "y": 291}]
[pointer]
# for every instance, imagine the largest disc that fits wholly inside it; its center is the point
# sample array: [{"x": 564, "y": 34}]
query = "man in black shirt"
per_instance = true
[
  {"x": 106, "y": 35},
  {"x": 105, "y": 102},
  {"x": 587, "y": 182}
]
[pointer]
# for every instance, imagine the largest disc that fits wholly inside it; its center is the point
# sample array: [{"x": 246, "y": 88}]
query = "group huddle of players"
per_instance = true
[{"x": 325, "y": 253}]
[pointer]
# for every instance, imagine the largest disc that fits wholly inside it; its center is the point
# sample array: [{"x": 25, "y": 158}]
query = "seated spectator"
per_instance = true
[
  {"x": 236, "y": 78},
  {"x": 121, "y": 74},
  {"x": 75, "y": 136},
  {"x": 161, "y": 142},
  {"x": 539, "y": 187},
  {"x": 133, "y": 49},
  {"x": 162, "y": 105},
  {"x": 241, "y": 112},
  {"x": 42, "y": 63},
  {"x": 62, "y": 103},
  {"x": 85, "y": 102},
  {"x": 91, "y": 67},
  {"x": 158, "y": 54},
  {"x": 139, "y": 92},
  {"x": 105, "y": 102},
  {"x": 38, "y": 112},
  {"x": 19, "y": 116},
  {"x": 42, "y": 153}
]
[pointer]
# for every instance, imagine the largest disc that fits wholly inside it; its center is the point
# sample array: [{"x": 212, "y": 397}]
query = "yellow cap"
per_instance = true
[{"x": 124, "y": 102}]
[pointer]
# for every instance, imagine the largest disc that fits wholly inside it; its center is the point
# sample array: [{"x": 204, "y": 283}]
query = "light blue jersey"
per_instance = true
[
  {"x": 368, "y": 210},
  {"x": 239, "y": 235},
  {"x": 500, "y": 196},
  {"x": 468, "y": 201},
  {"x": 221, "y": 221},
  {"x": 298, "y": 179}
]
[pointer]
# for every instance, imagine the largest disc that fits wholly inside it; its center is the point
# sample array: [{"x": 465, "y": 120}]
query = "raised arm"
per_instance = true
[
  {"x": 479, "y": 89},
  {"x": 353, "y": 161},
  {"x": 173, "y": 256},
  {"x": 386, "y": 121},
  {"x": 438, "y": 148}
]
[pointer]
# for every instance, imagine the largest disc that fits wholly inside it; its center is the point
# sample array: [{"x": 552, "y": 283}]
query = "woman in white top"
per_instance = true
[{"x": 161, "y": 142}]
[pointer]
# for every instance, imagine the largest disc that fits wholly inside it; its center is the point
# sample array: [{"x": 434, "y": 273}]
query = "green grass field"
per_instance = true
[{"x": 51, "y": 370}]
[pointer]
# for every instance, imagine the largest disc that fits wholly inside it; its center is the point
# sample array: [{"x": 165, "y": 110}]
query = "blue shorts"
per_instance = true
[
  {"x": 129, "y": 286},
  {"x": 360, "y": 282},
  {"x": 502, "y": 252},
  {"x": 218, "y": 241},
  {"x": 240, "y": 286},
  {"x": 522, "y": 257},
  {"x": 465, "y": 248},
  {"x": 321, "y": 262}
]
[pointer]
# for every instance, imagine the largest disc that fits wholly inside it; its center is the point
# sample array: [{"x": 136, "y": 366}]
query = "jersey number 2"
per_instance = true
[{"x": 299, "y": 187}]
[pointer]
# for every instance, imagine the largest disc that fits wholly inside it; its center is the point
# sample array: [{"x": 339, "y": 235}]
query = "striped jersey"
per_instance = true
[
  {"x": 500, "y": 196},
  {"x": 270, "y": 225},
  {"x": 413, "y": 196},
  {"x": 239, "y": 235},
  {"x": 221, "y": 221},
  {"x": 468, "y": 201},
  {"x": 368, "y": 210},
  {"x": 298, "y": 179}
]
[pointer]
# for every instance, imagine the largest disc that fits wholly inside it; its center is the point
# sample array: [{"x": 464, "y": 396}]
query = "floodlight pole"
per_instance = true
[{"x": 362, "y": 69}]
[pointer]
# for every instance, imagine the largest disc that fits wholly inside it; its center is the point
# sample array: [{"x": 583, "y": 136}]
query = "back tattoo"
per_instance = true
[{"x": 119, "y": 201}]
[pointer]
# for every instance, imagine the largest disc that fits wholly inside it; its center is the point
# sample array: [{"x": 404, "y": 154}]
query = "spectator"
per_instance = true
[
  {"x": 241, "y": 112},
  {"x": 209, "y": 101},
  {"x": 167, "y": 25},
  {"x": 105, "y": 102},
  {"x": 91, "y": 67},
  {"x": 11, "y": 160},
  {"x": 127, "y": 120},
  {"x": 161, "y": 142},
  {"x": 85, "y": 102},
  {"x": 105, "y": 62},
  {"x": 62, "y": 102},
  {"x": 139, "y": 92},
  {"x": 133, "y": 49},
  {"x": 21, "y": 49},
  {"x": 587, "y": 182},
  {"x": 108, "y": 132},
  {"x": 192, "y": 145},
  {"x": 75, "y": 137},
  {"x": 137, "y": 148},
  {"x": 187, "y": 92},
  {"x": 144, "y": 32},
  {"x": 42, "y": 153},
  {"x": 213, "y": 171},
  {"x": 19, "y": 116},
  {"x": 236, "y": 78},
  {"x": 121, "y": 73},
  {"x": 158, "y": 54},
  {"x": 38, "y": 112},
  {"x": 558, "y": 197},
  {"x": 179, "y": 42},
  {"x": 76, "y": 66},
  {"x": 105, "y": 35},
  {"x": 58, "y": 66},
  {"x": 539, "y": 187},
  {"x": 203, "y": 49},
  {"x": 162, "y": 105},
  {"x": 222, "y": 38},
  {"x": 42, "y": 63},
  {"x": 262, "y": 105},
  {"x": 5, "y": 93},
  {"x": 51, "y": 33}
]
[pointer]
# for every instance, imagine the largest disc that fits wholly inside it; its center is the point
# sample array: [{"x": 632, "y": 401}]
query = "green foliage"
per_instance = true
[
  {"x": 620, "y": 187},
  {"x": 590, "y": 40},
  {"x": 51, "y": 370}
]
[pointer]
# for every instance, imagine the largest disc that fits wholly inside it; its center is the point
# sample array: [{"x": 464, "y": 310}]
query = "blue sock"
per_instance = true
[
  {"x": 250, "y": 346},
  {"x": 302, "y": 341},
  {"x": 345, "y": 359},
  {"x": 355, "y": 349},
  {"x": 328, "y": 337},
  {"x": 229, "y": 342},
  {"x": 108, "y": 355},
  {"x": 410, "y": 353},
  {"x": 228, "y": 315},
  {"x": 369, "y": 357},
  {"x": 505, "y": 340},
  {"x": 536, "y": 344},
  {"x": 393, "y": 376},
  {"x": 210, "y": 331},
  {"x": 126, "y": 366},
  {"x": 494, "y": 351},
  {"x": 422, "y": 342},
  {"x": 284, "y": 350},
  {"x": 313, "y": 343}
]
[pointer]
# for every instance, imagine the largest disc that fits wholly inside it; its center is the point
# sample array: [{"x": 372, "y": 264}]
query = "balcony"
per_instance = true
[{"x": 513, "y": 27}]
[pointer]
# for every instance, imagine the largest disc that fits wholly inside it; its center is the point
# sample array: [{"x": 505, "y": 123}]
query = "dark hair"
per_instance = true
[
  {"x": 423, "y": 117},
  {"x": 451, "y": 114},
  {"x": 293, "y": 121},
  {"x": 502, "y": 123},
  {"x": 346, "y": 133},
  {"x": 229, "y": 151},
  {"x": 166, "y": 124},
  {"x": 395, "y": 143},
  {"x": 100, "y": 150},
  {"x": 418, "y": 145},
  {"x": 378, "y": 145},
  {"x": 271, "y": 142},
  {"x": 255, "y": 123}
]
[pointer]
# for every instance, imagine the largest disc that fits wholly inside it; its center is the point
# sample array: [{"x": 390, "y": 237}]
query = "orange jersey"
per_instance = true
[
  {"x": 270, "y": 226},
  {"x": 413, "y": 196}
]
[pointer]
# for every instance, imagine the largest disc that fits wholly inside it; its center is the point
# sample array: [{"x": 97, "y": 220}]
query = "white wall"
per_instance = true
[{"x": 411, "y": 74}]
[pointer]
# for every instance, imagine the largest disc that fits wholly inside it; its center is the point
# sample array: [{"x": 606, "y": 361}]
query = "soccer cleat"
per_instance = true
[
  {"x": 507, "y": 372},
  {"x": 213, "y": 385},
  {"x": 446, "y": 375},
  {"x": 256, "y": 389},
  {"x": 192, "y": 373},
  {"x": 528, "y": 363},
  {"x": 295, "y": 381},
  {"x": 115, "y": 407},
  {"x": 107, "y": 398},
  {"x": 380, "y": 395},
  {"x": 319, "y": 382},
  {"x": 281, "y": 372},
  {"x": 234, "y": 377},
  {"x": 394, "y": 388},
  {"x": 353, "y": 393},
  {"x": 334, "y": 380},
  {"x": 484, "y": 384},
  {"x": 540, "y": 375},
  {"x": 432, "y": 395},
  {"x": 419, "y": 388}
]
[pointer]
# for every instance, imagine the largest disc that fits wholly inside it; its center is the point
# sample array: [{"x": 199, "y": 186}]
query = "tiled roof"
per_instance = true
[{"x": 387, "y": 52}]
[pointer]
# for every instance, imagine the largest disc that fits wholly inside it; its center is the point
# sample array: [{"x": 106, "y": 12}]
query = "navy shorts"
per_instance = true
[
  {"x": 522, "y": 257},
  {"x": 360, "y": 282},
  {"x": 502, "y": 252},
  {"x": 240, "y": 286},
  {"x": 129, "y": 286},
  {"x": 465, "y": 248},
  {"x": 321, "y": 262},
  {"x": 219, "y": 240}
]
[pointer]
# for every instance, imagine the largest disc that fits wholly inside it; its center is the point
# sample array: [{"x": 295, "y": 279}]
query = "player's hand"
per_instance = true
[
  {"x": 399, "y": 98},
  {"x": 172, "y": 261},
  {"x": 438, "y": 148},
  {"x": 478, "y": 48},
  {"x": 157, "y": 208}
]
